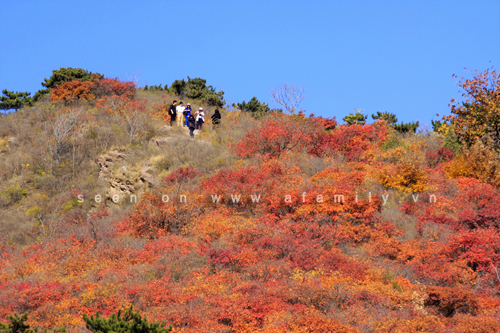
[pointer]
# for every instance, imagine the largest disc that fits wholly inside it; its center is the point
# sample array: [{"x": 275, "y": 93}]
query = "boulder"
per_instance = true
[{"x": 13, "y": 142}]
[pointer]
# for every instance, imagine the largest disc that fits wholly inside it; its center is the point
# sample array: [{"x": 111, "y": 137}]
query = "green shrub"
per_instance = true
[
  {"x": 15, "y": 193},
  {"x": 131, "y": 322},
  {"x": 393, "y": 142}
]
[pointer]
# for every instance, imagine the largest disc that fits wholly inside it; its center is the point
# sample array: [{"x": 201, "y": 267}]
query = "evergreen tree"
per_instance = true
[
  {"x": 130, "y": 322},
  {"x": 178, "y": 88},
  {"x": 197, "y": 89},
  {"x": 62, "y": 75},
  {"x": 390, "y": 118},
  {"x": 357, "y": 118},
  {"x": 254, "y": 106},
  {"x": 68, "y": 74},
  {"x": 155, "y": 88},
  {"x": 436, "y": 125},
  {"x": 40, "y": 93},
  {"x": 407, "y": 127},
  {"x": 14, "y": 100},
  {"x": 17, "y": 324}
]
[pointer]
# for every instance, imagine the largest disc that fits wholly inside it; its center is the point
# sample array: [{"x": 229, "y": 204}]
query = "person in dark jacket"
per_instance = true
[
  {"x": 172, "y": 112},
  {"x": 191, "y": 124},
  {"x": 216, "y": 117}
]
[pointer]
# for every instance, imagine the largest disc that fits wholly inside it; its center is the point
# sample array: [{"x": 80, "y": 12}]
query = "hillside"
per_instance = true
[{"x": 268, "y": 222}]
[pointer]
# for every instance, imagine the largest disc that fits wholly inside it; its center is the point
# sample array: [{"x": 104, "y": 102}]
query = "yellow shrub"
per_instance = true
[
  {"x": 405, "y": 169},
  {"x": 4, "y": 144},
  {"x": 478, "y": 161}
]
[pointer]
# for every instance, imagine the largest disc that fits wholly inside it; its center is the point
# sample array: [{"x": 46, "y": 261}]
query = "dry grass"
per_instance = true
[
  {"x": 32, "y": 166},
  {"x": 203, "y": 156}
]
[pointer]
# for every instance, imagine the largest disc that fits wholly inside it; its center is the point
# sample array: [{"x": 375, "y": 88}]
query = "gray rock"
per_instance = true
[{"x": 13, "y": 142}]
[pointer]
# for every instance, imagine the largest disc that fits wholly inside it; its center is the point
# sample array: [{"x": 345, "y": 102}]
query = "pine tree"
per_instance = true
[
  {"x": 40, "y": 93},
  {"x": 390, "y": 118},
  {"x": 17, "y": 324},
  {"x": 357, "y": 118},
  {"x": 68, "y": 74},
  {"x": 178, "y": 88},
  {"x": 197, "y": 89},
  {"x": 14, "y": 100},
  {"x": 130, "y": 322},
  {"x": 407, "y": 127},
  {"x": 254, "y": 106}
]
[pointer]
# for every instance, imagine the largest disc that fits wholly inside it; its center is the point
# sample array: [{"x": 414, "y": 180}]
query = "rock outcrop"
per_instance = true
[{"x": 123, "y": 178}]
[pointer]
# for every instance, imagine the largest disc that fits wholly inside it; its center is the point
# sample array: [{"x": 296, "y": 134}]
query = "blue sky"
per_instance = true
[{"x": 396, "y": 56}]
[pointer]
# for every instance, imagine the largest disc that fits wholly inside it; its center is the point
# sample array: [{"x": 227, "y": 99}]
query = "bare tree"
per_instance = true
[
  {"x": 129, "y": 113},
  {"x": 288, "y": 97},
  {"x": 50, "y": 225},
  {"x": 63, "y": 129},
  {"x": 134, "y": 77},
  {"x": 132, "y": 122}
]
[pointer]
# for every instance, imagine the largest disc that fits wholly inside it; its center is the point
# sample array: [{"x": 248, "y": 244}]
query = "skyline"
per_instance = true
[{"x": 389, "y": 56}]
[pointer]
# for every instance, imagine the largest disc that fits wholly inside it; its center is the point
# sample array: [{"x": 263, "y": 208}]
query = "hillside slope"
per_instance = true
[{"x": 280, "y": 223}]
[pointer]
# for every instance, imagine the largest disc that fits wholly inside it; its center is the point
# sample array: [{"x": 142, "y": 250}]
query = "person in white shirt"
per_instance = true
[
  {"x": 200, "y": 118},
  {"x": 180, "y": 117}
]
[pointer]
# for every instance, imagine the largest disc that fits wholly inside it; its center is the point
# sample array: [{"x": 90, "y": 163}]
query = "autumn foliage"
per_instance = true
[
  {"x": 94, "y": 89},
  {"x": 478, "y": 116},
  {"x": 297, "y": 224}
]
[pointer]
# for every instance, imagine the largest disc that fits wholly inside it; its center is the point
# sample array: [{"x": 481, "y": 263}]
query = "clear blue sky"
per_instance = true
[{"x": 396, "y": 56}]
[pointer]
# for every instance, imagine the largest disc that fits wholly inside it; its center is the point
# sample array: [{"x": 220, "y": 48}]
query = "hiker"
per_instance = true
[
  {"x": 216, "y": 117},
  {"x": 172, "y": 112},
  {"x": 180, "y": 110},
  {"x": 200, "y": 119},
  {"x": 197, "y": 113},
  {"x": 191, "y": 124},
  {"x": 187, "y": 112}
]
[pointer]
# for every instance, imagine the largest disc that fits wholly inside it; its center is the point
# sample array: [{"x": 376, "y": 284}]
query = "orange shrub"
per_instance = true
[
  {"x": 404, "y": 169},
  {"x": 478, "y": 161}
]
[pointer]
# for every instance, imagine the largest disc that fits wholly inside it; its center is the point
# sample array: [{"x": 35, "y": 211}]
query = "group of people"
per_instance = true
[{"x": 184, "y": 116}]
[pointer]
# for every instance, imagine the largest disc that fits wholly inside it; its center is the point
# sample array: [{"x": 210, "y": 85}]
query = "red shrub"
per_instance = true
[
  {"x": 114, "y": 87},
  {"x": 96, "y": 88},
  {"x": 276, "y": 136},
  {"x": 350, "y": 140},
  {"x": 440, "y": 155},
  {"x": 181, "y": 175},
  {"x": 73, "y": 90},
  {"x": 480, "y": 247}
]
